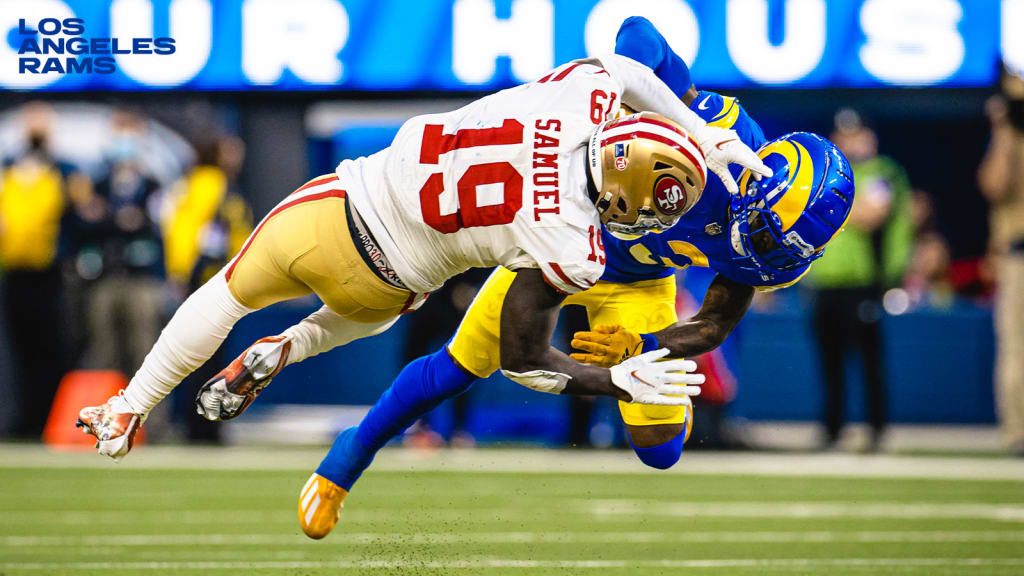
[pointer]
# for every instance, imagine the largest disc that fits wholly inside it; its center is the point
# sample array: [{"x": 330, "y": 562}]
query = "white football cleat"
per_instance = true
[
  {"x": 234, "y": 388},
  {"x": 113, "y": 424}
]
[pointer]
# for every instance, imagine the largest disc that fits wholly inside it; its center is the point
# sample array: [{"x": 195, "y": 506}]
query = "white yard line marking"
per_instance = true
[
  {"x": 375, "y": 538},
  {"x": 527, "y": 461},
  {"x": 594, "y": 510},
  {"x": 829, "y": 509},
  {"x": 491, "y": 562}
]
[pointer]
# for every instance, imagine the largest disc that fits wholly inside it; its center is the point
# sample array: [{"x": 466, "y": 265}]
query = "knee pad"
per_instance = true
[{"x": 663, "y": 456}]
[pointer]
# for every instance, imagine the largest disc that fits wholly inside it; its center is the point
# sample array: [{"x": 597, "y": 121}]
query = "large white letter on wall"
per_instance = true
[
  {"x": 1013, "y": 35},
  {"x": 191, "y": 26},
  {"x": 746, "y": 32},
  {"x": 303, "y": 36},
  {"x": 911, "y": 41},
  {"x": 527, "y": 37}
]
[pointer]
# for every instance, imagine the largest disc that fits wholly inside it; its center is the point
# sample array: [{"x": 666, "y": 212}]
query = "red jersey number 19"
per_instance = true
[{"x": 469, "y": 213}]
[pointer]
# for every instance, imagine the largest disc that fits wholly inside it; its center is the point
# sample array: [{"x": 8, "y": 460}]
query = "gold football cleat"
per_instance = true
[{"x": 320, "y": 505}]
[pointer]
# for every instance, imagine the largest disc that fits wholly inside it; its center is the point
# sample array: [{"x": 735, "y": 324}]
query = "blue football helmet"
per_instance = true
[{"x": 784, "y": 222}]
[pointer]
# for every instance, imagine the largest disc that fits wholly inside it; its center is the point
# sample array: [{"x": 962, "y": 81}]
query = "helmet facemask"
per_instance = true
[{"x": 755, "y": 231}]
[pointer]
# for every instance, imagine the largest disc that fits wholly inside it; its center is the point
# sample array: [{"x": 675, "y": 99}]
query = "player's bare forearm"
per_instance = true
[
  {"x": 724, "y": 305},
  {"x": 528, "y": 319}
]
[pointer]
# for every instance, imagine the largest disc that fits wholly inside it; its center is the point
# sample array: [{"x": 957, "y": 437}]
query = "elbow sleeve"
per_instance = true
[{"x": 539, "y": 380}]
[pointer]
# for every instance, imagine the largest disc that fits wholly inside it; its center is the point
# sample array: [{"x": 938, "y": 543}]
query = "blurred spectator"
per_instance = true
[
  {"x": 928, "y": 278},
  {"x": 209, "y": 220},
  {"x": 120, "y": 250},
  {"x": 208, "y": 223},
  {"x": 1001, "y": 180},
  {"x": 33, "y": 188},
  {"x": 869, "y": 256}
]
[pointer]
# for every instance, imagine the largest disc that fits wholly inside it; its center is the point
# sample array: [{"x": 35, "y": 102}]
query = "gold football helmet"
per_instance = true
[{"x": 646, "y": 171}]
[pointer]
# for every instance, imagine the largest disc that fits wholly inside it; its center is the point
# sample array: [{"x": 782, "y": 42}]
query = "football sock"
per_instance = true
[
  {"x": 421, "y": 386},
  {"x": 640, "y": 40},
  {"x": 663, "y": 456},
  {"x": 194, "y": 333},
  {"x": 324, "y": 330}
]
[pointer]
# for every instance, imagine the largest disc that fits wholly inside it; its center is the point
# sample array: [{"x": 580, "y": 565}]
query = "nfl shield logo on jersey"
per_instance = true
[
  {"x": 669, "y": 194},
  {"x": 620, "y": 156}
]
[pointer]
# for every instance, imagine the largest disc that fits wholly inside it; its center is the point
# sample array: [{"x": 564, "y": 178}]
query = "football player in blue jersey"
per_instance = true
[{"x": 765, "y": 237}]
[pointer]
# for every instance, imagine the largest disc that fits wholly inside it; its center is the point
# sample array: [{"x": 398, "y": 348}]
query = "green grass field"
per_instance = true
[{"x": 106, "y": 519}]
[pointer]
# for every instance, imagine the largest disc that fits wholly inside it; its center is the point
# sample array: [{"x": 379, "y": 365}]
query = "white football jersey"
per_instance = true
[{"x": 500, "y": 181}]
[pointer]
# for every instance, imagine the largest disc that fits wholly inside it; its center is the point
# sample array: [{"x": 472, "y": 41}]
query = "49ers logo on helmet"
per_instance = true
[{"x": 669, "y": 195}]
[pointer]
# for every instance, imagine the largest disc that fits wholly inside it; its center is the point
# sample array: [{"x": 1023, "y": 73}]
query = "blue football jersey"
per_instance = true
[{"x": 701, "y": 237}]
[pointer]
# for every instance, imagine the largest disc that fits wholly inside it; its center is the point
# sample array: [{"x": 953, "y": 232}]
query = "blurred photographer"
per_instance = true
[
  {"x": 121, "y": 254},
  {"x": 1001, "y": 181},
  {"x": 34, "y": 189},
  {"x": 870, "y": 256}
]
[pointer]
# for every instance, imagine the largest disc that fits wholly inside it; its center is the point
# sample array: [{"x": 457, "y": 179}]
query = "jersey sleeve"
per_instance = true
[
  {"x": 571, "y": 258},
  {"x": 727, "y": 112},
  {"x": 570, "y": 277},
  {"x": 642, "y": 90}
]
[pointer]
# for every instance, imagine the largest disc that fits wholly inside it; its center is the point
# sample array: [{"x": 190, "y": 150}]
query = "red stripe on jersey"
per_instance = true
[
  {"x": 565, "y": 277},
  {"x": 656, "y": 138},
  {"x": 546, "y": 78},
  {"x": 276, "y": 211},
  {"x": 550, "y": 283},
  {"x": 656, "y": 122},
  {"x": 564, "y": 73},
  {"x": 408, "y": 303},
  {"x": 315, "y": 182}
]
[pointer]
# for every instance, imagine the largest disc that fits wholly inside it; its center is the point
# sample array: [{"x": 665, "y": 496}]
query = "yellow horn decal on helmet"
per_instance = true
[{"x": 801, "y": 173}]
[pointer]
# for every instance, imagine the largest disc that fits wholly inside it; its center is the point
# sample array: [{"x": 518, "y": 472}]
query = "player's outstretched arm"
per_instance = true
[
  {"x": 640, "y": 40},
  {"x": 724, "y": 305},
  {"x": 528, "y": 319},
  {"x": 643, "y": 90}
]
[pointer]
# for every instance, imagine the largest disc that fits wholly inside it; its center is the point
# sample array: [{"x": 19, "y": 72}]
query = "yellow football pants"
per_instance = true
[{"x": 646, "y": 306}]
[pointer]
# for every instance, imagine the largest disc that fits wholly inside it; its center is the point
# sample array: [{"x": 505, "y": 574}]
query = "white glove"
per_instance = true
[
  {"x": 648, "y": 381},
  {"x": 722, "y": 147}
]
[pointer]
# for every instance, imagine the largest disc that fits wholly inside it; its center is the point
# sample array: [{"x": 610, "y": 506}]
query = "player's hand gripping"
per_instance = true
[
  {"x": 648, "y": 381},
  {"x": 606, "y": 346},
  {"x": 722, "y": 147}
]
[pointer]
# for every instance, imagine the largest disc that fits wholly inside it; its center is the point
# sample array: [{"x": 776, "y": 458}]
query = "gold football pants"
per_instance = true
[{"x": 304, "y": 246}]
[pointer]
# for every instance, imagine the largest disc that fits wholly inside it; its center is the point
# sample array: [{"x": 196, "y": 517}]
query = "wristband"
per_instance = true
[{"x": 650, "y": 342}]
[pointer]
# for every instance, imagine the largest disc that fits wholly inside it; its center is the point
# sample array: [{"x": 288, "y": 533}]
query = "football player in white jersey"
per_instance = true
[{"x": 503, "y": 181}]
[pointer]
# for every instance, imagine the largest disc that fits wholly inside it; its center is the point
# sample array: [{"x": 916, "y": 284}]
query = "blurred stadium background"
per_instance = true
[{"x": 120, "y": 193}]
